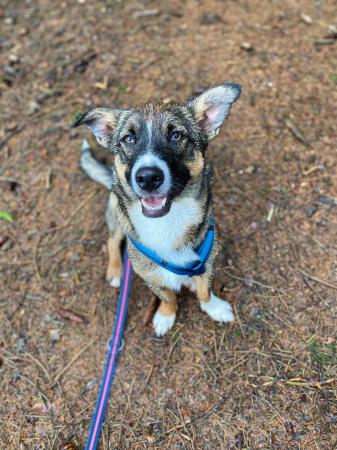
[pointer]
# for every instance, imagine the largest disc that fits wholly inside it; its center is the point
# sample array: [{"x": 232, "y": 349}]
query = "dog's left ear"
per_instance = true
[
  {"x": 101, "y": 122},
  {"x": 211, "y": 108}
]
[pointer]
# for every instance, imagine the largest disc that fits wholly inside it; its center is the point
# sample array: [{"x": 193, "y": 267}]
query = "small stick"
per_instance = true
[
  {"x": 170, "y": 352},
  {"x": 9, "y": 135},
  {"x": 317, "y": 280},
  {"x": 35, "y": 387},
  {"x": 39, "y": 364},
  {"x": 71, "y": 362},
  {"x": 181, "y": 416},
  {"x": 240, "y": 323},
  {"x": 36, "y": 263},
  {"x": 215, "y": 346},
  {"x": 148, "y": 378},
  {"x": 79, "y": 207},
  {"x": 81, "y": 412},
  {"x": 241, "y": 361},
  {"x": 221, "y": 342},
  {"x": 251, "y": 280}
]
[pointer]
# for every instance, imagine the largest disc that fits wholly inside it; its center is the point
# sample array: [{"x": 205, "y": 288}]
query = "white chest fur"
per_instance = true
[{"x": 162, "y": 235}]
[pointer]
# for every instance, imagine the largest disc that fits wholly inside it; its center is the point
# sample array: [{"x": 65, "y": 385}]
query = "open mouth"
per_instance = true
[{"x": 155, "y": 206}]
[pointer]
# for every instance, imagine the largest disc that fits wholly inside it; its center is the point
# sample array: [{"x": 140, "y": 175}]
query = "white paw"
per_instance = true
[
  {"x": 162, "y": 324},
  {"x": 190, "y": 284},
  {"x": 115, "y": 282},
  {"x": 218, "y": 309}
]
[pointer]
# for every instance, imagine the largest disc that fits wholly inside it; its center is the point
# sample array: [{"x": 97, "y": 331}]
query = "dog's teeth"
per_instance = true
[{"x": 154, "y": 208}]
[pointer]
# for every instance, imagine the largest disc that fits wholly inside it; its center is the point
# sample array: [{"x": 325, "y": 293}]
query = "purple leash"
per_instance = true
[{"x": 111, "y": 362}]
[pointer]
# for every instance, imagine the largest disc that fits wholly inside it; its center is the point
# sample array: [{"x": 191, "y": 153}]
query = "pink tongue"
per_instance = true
[{"x": 153, "y": 201}]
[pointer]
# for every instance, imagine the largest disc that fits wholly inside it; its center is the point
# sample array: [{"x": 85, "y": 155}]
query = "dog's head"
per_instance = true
[{"x": 158, "y": 148}]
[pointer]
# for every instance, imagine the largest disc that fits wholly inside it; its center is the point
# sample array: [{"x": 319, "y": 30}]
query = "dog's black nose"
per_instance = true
[{"x": 149, "y": 178}]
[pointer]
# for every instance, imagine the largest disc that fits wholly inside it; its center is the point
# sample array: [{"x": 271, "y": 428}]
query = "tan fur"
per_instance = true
[
  {"x": 203, "y": 288},
  {"x": 169, "y": 307},
  {"x": 196, "y": 165},
  {"x": 120, "y": 168},
  {"x": 115, "y": 265}
]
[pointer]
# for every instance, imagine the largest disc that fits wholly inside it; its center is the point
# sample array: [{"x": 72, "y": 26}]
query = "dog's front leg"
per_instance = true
[
  {"x": 165, "y": 316},
  {"x": 116, "y": 235},
  {"x": 215, "y": 307},
  {"x": 115, "y": 264}
]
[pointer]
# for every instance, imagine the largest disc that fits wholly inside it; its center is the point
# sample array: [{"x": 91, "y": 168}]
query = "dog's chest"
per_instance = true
[{"x": 165, "y": 234}]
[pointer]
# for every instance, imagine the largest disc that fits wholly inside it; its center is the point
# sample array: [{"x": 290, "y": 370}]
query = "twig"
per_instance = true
[
  {"x": 36, "y": 263},
  {"x": 258, "y": 283},
  {"x": 317, "y": 280},
  {"x": 221, "y": 342},
  {"x": 272, "y": 407},
  {"x": 241, "y": 361},
  {"x": 148, "y": 378},
  {"x": 35, "y": 387},
  {"x": 240, "y": 323},
  {"x": 299, "y": 135},
  {"x": 146, "y": 64},
  {"x": 81, "y": 412},
  {"x": 21, "y": 302},
  {"x": 45, "y": 232},
  {"x": 72, "y": 361},
  {"x": 39, "y": 364},
  {"x": 79, "y": 207},
  {"x": 215, "y": 346},
  {"x": 171, "y": 351},
  {"x": 9, "y": 135},
  {"x": 197, "y": 419}
]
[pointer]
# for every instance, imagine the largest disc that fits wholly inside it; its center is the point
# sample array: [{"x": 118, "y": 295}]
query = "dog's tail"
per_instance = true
[{"x": 95, "y": 170}]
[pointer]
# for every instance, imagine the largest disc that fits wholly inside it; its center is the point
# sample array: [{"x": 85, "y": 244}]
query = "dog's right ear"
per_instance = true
[
  {"x": 101, "y": 122},
  {"x": 211, "y": 108}
]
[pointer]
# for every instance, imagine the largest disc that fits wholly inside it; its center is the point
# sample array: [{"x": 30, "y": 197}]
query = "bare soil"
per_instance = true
[{"x": 268, "y": 381}]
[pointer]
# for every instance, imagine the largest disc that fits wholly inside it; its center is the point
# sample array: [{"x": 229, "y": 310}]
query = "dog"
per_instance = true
[{"x": 160, "y": 195}]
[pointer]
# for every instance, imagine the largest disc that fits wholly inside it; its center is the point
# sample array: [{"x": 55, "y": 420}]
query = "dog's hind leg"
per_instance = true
[
  {"x": 115, "y": 264},
  {"x": 215, "y": 307},
  {"x": 165, "y": 316}
]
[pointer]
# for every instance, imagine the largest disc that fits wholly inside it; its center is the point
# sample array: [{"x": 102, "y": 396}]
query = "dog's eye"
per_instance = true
[
  {"x": 176, "y": 136},
  {"x": 128, "y": 139}
]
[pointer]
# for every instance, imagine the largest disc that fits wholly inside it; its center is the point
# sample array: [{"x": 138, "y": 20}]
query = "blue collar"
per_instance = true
[{"x": 190, "y": 269}]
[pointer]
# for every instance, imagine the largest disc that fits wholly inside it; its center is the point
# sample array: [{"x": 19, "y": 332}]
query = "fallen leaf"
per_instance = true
[
  {"x": 68, "y": 314},
  {"x": 150, "y": 438},
  {"x": 5, "y": 215},
  {"x": 247, "y": 46},
  {"x": 306, "y": 18},
  {"x": 54, "y": 336},
  {"x": 39, "y": 408},
  {"x": 296, "y": 131}
]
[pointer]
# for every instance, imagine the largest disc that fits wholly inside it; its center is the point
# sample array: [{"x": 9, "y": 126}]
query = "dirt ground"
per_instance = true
[{"x": 268, "y": 381}]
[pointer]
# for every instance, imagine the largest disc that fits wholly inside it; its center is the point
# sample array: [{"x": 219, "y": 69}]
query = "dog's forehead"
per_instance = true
[{"x": 156, "y": 117}]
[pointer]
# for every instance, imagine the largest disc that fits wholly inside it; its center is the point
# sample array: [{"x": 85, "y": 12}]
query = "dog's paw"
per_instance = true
[
  {"x": 162, "y": 324},
  {"x": 114, "y": 276},
  {"x": 115, "y": 282},
  {"x": 190, "y": 284},
  {"x": 218, "y": 309}
]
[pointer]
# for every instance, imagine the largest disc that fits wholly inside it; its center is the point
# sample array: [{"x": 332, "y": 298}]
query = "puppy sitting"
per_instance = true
[{"x": 160, "y": 195}]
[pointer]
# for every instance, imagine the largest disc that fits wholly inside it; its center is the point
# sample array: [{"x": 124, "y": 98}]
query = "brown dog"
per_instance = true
[{"x": 161, "y": 192}]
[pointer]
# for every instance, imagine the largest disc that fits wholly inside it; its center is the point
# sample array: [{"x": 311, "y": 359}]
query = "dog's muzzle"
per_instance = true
[
  {"x": 149, "y": 178},
  {"x": 151, "y": 181}
]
